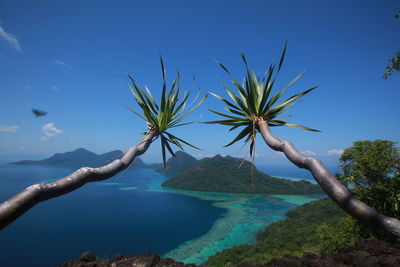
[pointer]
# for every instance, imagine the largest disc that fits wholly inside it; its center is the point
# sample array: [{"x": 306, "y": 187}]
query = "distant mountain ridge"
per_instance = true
[
  {"x": 79, "y": 158},
  {"x": 222, "y": 174},
  {"x": 181, "y": 162},
  {"x": 216, "y": 174}
]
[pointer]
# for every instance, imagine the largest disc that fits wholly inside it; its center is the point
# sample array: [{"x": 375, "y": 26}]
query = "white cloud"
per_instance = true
[
  {"x": 9, "y": 129},
  {"x": 335, "y": 152},
  {"x": 62, "y": 64},
  {"x": 203, "y": 155},
  {"x": 49, "y": 130},
  {"x": 11, "y": 39},
  {"x": 308, "y": 153},
  {"x": 55, "y": 88}
]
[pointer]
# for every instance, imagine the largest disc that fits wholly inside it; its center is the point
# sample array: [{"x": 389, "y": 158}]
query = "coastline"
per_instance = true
[{"x": 246, "y": 214}]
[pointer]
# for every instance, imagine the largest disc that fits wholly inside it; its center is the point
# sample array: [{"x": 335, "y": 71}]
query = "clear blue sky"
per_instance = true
[{"x": 69, "y": 58}]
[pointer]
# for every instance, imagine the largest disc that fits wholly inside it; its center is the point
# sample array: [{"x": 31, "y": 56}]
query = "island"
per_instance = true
[
  {"x": 233, "y": 175},
  {"x": 81, "y": 157}
]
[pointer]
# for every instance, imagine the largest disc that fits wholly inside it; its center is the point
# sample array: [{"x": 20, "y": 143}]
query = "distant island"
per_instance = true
[
  {"x": 81, "y": 158},
  {"x": 216, "y": 174},
  {"x": 222, "y": 174}
]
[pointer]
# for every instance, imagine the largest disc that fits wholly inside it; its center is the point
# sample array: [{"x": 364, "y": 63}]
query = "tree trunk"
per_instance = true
[
  {"x": 328, "y": 182},
  {"x": 13, "y": 208}
]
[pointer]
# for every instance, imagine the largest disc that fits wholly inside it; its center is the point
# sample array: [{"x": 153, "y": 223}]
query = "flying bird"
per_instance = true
[{"x": 38, "y": 113}]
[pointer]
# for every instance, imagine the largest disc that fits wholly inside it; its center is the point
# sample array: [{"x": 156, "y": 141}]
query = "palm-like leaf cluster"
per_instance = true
[
  {"x": 169, "y": 113},
  {"x": 254, "y": 102}
]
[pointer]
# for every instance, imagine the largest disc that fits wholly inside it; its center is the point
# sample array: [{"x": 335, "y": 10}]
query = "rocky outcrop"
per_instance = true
[
  {"x": 366, "y": 253},
  {"x": 89, "y": 259}
]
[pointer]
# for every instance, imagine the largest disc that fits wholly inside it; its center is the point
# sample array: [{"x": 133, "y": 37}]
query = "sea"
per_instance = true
[{"x": 131, "y": 213}]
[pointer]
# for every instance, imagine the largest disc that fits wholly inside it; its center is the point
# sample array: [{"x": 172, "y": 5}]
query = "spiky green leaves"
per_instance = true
[
  {"x": 253, "y": 101},
  {"x": 169, "y": 113}
]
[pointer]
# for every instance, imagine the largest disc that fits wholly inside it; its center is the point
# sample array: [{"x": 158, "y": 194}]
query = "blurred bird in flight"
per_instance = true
[{"x": 38, "y": 113}]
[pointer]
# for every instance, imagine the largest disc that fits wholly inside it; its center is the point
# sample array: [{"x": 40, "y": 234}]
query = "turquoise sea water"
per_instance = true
[
  {"x": 246, "y": 215},
  {"x": 131, "y": 213}
]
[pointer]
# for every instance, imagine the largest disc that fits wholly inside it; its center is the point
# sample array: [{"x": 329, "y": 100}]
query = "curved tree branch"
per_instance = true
[
  {"x": 13, "y": 208},
  {"x": 328, "y": 182}
]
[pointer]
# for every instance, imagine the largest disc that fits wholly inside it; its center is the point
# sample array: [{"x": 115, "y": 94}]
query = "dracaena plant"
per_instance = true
[
  {"x": 256, "y": 109},
  {"x": 254, "y": 101},
  {"x": 168, "y": 113}
]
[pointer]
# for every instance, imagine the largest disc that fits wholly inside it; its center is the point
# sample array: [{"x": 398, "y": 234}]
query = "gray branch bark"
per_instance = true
[
  {"x": 16, "y": 206},
  {"x": 328, "y": 182}
]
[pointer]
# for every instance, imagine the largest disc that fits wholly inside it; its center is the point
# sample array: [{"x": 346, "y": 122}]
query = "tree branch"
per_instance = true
[
  {"x": 16, "y": 206},
  {"x": 328, "y": 182}
]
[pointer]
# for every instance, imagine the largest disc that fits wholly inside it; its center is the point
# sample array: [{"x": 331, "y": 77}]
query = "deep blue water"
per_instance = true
[
  {"x": 131, "y": 213},
  {"x": 108, "y": 218}
]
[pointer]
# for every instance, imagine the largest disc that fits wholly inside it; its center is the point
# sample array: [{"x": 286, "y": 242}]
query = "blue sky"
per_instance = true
[{"x": 69, "y": 58}]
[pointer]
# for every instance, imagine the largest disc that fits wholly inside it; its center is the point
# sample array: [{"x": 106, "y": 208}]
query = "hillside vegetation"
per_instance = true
[
  {"x": 222, "y": 174},
  {"x": 299, "y": 233}
]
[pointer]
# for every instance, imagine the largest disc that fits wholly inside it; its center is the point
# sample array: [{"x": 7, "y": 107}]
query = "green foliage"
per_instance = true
[
  {"x": 335, "y": 237},
  {"x": 370, "y": 169},
  {"x": 254, "y": 102},
  {"x": 299, "y": 228},
  {"x": 222, "y": 174},
  {"x": 295, "y": 235},
  {"x": 258, "y": 253},
  {"x": 169, "y": 113},
  {"x": 394, "y": 62},
  {"x": 394, "y": 65}
]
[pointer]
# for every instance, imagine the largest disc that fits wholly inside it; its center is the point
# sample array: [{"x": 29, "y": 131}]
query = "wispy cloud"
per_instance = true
[
  {"x": 49, "y": 131},
  {"x": 10, "y": 38},
  {"x": 334, "y": 152},
  {"x": 9, "y": 129},
  {"x": 206, "y": 155},
  {"x": 308, "y": 153},
  {"x": 55, "y": 88},
  {"x": 62, "y": 64}
]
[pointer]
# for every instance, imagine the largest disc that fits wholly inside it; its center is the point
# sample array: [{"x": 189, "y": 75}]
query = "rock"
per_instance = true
[
  {"x": 88, "y": 259},
  {"x": 88, "y": 256},
  {"x": 367, "y": 252}
]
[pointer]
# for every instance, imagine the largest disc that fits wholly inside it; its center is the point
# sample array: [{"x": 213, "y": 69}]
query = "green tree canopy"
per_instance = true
[
  {"x": 394, "y": 62},
  {"x": 371, "y": 170}
]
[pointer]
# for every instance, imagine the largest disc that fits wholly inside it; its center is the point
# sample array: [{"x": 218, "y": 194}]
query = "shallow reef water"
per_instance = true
[{"x": 246, "y": 214}]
